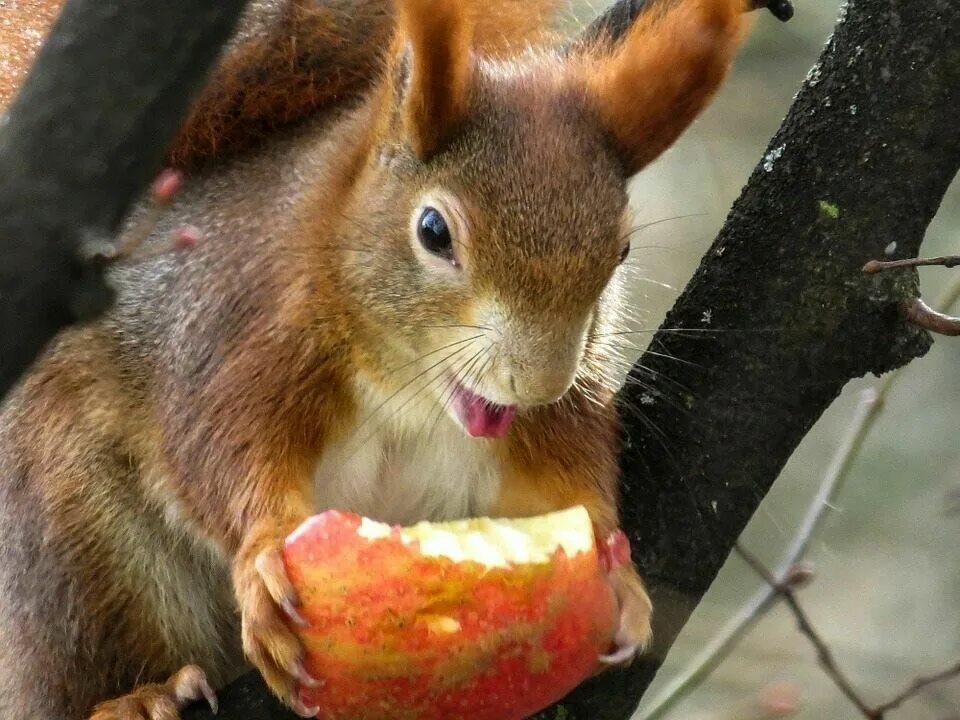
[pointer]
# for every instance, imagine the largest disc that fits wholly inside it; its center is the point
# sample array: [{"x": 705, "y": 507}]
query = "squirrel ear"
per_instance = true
[
  {"x": 650, "y": 68},
  {"x": 435, "y": 64}
]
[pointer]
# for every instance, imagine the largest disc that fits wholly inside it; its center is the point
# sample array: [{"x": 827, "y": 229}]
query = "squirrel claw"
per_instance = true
[
  {"x": 304, "y": 677},
  {"x": 620, "y": 655},
  {"x": 210, "y": 696},
  {"x": 269, "y": 611},
  {"x": 291, "y": 612},
  {"x": 273, "y": 572},
  {"x": 160, "y": 702},
  {"x": 303, "y": 710},
  {"x": 189, "y": 685}
]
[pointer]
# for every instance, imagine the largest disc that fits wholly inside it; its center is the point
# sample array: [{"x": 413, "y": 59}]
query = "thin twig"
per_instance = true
[
  {"x": 922, "y": 315},
  {"x": 785, "y": 590},
  {"x": 824, "y": 655},
  {"x": 875, "y": 266},
  {"x": 738, "y": 626},
  {"x": 720, "y": 646},
  {"x": 916, "y": 310},
  {"x": 915, "y": 687}
]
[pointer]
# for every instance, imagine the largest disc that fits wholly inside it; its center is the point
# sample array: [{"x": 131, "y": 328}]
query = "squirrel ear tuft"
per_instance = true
[
  {"x": 435, "y": 62},
  {"x": 650, "y": 73}
]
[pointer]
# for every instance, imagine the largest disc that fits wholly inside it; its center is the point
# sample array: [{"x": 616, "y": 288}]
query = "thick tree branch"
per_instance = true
[
  {"x": 872, "y": 402},
  {"x": 84, "y": 137}
]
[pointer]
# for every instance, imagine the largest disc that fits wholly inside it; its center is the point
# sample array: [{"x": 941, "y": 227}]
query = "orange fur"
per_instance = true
[
  {"x": 436, "y": 40},
  {"x": 651, "y": 85}
]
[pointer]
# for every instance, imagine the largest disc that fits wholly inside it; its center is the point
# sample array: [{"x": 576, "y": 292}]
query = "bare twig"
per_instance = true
[
  {"x": 130, "y": 246},
  {"x": 915, "y": 687},
  {"x": 720, "y": 646},
  {"x": 916, "y": 310},
  {"x": 922, "y": 315},
  {"x": 824, "y": 655},
  {"x": 729, "y": 636},
  {"x": 785, "y": 590},
  {"x": 162, "y": 192},
  {"x": 875, "y": 266}
]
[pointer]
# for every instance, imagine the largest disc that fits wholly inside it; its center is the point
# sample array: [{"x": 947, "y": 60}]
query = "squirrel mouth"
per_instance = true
[{"x": 480, "y": 417}]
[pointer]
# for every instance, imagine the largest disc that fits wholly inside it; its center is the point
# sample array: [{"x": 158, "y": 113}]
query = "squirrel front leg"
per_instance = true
[
  {"x": 263, "y": 512},
  {"x": 243, "y": 455},
  {"x": 564, "y": 455},
  {"x": 266, "y": 598}
]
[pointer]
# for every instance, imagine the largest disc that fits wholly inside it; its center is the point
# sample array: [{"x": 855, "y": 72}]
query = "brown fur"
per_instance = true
[
  {"x": 695, "y": 41},
  {"x": 152, "y": 463},
  {"x": 289, "y": 60},
  {"x": 437, "y": 42}
]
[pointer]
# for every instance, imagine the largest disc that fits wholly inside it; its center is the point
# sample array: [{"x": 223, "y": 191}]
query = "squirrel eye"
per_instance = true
[
  {"x": 434, "y": 234},
  {"x": 624, "y": 253}
]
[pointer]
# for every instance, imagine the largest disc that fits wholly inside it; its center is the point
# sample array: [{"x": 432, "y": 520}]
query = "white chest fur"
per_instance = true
[{"x": 404, "y": 464}]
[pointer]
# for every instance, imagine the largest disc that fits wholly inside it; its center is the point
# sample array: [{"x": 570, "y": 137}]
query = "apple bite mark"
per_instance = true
[{"x": 482, "y": 619}]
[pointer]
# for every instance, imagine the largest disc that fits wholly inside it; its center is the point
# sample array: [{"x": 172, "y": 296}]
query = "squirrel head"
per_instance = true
[{"x": 491, "y": 207}]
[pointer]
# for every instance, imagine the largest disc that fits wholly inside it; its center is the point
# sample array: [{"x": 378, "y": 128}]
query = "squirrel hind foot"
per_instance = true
[{"x": 160, "y": 701}]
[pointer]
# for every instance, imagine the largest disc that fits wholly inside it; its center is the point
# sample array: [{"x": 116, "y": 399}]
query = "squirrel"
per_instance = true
[{"x": 414, "y": 213}]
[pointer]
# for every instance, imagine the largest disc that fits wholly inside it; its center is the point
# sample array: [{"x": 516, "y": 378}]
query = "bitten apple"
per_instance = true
[{"x": 482, "y": 619}]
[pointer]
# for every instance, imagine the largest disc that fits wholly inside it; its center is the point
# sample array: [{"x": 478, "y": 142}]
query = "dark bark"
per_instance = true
[
  {"x": 82, "y": 140},
  {"x": 778, "y": 317}
]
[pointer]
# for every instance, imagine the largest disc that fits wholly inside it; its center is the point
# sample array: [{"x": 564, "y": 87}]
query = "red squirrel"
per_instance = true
[{"x": 413, "y": 218}]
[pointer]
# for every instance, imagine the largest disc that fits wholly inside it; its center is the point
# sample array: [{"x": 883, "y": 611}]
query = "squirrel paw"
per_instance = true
[
  {"x": 160, "y": 702},
  {"x": 268, "y": 606},
  {"x": 633, "y": 634}
]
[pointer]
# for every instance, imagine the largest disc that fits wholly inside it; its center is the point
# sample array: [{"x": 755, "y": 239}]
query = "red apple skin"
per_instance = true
[{"x": 384, "y": 639}]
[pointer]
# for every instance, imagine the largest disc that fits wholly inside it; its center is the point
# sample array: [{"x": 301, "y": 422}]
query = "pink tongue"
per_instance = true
[{"x": 480, "y": 418}]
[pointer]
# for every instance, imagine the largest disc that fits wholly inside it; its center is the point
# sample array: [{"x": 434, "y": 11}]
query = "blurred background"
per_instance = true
[{"x": 887, "y": 568}]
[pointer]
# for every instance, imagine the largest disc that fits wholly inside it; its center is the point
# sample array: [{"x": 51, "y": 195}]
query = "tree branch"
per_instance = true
[
  {"x": 784, "y": 589},
  {"x": 83, "y": 139},
  {"x": 872, "y": 402}
]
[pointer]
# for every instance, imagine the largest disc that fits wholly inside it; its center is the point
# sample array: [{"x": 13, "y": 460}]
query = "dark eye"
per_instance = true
[
  {"x": 624, "y": 253},
  {"x": 435, "y": 235}
]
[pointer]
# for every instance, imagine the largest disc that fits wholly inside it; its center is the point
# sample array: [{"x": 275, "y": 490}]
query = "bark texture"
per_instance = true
[
  {"x": 777, "y": 318},
  {"x": 85, "y": 135}
]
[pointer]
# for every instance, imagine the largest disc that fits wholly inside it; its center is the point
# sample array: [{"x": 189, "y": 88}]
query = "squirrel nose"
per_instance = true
[{"x": 539, "y": 388}]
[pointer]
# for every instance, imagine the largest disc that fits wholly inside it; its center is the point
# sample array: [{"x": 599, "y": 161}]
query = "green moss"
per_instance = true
[
  {"x": 828, "y": 210},
  {"x": 562, "y": 713}
]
